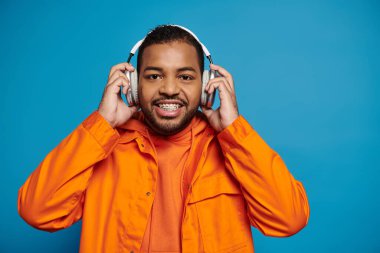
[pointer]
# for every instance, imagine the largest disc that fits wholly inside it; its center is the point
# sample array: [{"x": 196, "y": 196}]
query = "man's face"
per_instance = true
[{"x": 169, "y": 86}]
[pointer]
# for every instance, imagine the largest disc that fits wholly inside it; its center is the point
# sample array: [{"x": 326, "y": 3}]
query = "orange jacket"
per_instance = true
[{"x": 107, "y": 178}]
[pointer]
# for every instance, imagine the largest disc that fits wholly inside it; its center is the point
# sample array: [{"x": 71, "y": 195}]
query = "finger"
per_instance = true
[
  {"x": 210, "y": 87},
  {"x": 222, "y": 79},
  {"x": 122, "y": 67},
  {"x": 133, "y": 108},
  {"x": 224, "y": 73},
  {"x": 207, "y": 111},
  {"x": 224, "y": 93},
  {"x": 117, "y": 74},
  {"x": 114, "y": 87}
]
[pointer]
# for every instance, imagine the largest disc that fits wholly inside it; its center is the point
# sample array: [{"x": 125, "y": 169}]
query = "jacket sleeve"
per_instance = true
[
  {"x": 277, "y": 204},
  {"x": 52, "y": 196}
]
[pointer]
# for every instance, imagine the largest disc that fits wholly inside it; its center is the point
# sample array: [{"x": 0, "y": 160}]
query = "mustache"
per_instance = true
[{"x": 157, "y": 100}]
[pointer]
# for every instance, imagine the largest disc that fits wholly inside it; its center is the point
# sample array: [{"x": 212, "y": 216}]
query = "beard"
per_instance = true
[{"x": 167, "y": 126}]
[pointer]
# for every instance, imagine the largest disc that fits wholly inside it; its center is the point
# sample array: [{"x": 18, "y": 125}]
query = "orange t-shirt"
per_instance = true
[{"x": 163, "y": 231}]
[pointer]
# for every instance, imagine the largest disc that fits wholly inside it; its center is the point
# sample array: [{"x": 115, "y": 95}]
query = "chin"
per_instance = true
[{"x": 168, "y": 125}]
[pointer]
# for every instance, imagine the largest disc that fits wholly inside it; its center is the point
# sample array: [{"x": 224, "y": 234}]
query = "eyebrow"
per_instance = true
[
  {"x": 187, "y": 68},
  {"x": 152, "y": 68},
  {"x": 161, "y": 69}
]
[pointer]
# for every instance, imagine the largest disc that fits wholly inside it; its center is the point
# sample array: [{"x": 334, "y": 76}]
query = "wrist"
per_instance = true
[
  {"x": 230, "y": 120},
  {"x": 106, "y": 118}
]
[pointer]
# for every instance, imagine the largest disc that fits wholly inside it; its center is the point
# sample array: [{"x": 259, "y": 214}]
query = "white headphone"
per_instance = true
[{"x": 207, "y": 100}]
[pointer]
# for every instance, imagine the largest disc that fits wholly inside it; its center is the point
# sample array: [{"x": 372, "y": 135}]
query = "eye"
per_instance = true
[
  {"x": 153, "y": 76},
  {"x": 186, "y": 77}
]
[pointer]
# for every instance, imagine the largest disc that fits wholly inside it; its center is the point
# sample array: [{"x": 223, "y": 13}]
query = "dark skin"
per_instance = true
[{"x": 170, "y": 73}]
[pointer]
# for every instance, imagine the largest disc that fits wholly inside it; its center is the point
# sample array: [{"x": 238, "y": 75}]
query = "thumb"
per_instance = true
[
  {"x": 207, "y": 111},
  {"x": 133, "y": 109}
]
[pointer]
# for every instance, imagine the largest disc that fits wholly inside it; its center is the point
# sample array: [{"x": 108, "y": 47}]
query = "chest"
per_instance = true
[{"x": 132, "y": 169}]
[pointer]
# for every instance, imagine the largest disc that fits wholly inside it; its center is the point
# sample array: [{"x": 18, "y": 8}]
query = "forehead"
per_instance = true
[{"x": 170, "y": 55}]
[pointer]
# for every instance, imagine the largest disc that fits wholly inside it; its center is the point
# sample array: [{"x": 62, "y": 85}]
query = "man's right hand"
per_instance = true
[{"x": 112, "y": 107}]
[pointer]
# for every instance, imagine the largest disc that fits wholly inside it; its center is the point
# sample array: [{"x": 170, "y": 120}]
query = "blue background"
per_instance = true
[{"x": 306, "y": 76}]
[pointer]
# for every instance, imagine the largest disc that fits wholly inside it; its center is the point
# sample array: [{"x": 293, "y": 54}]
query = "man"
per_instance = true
[{"x": 166, "y": 178}]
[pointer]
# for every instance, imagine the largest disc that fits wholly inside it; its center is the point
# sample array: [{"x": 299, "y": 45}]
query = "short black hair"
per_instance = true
[{"x": 162, "y": 34}]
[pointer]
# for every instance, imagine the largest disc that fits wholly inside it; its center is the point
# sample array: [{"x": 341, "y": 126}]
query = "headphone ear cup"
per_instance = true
[
  {"x": 207, "y": 100},
  {"x": 132, "y": 93},
  {"x": 205, "y": 79}
]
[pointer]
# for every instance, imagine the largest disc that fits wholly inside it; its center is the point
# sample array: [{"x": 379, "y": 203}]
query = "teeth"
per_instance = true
[{"x": 169, "y": 107}]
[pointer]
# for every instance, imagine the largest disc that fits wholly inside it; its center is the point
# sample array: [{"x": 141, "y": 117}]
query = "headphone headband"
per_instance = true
[{"x": 138, "y": 44}]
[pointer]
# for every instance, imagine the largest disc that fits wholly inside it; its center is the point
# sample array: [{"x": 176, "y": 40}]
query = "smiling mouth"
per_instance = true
[{"x": 169, "y": 105}]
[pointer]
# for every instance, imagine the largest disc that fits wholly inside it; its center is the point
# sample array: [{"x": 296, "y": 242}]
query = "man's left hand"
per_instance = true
[{"x": 227, "y": 112}]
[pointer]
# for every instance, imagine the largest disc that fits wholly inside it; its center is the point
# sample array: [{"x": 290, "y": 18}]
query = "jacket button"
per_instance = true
[
  {"x": 131, "y": 251},
  {"x": 148, "y": 194}
]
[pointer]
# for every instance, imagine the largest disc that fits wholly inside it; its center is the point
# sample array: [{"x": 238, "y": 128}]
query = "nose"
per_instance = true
[{"x": 169, "y": 87}]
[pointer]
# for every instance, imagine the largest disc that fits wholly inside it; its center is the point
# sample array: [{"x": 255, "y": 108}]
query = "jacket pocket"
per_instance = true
[
  {"x": 221, "y": 210},
  {"x": 213, "y": 186}
]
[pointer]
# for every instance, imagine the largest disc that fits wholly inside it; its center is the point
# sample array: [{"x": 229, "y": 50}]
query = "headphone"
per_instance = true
[{"x": 207, "y": 100}]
